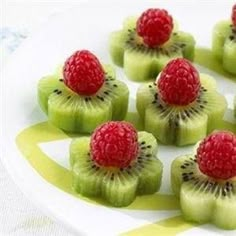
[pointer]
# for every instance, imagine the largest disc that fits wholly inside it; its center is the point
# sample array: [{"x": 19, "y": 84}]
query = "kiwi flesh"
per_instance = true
[
  {"x": 141, "y": 62},
  {"x": 74, "y": 113},
  {"x": 181, "y": 125},
  {"x": 224, "y": 45},
  {"x": 118, "y": 186},
  {"x": 203, "y": 199}
]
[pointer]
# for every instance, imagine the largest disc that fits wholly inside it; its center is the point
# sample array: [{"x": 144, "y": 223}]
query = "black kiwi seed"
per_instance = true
[
  {"x": 231, "y": 37},
  {"x": 61, "y": 80},
  {"x": 59, "y": 92},
  {"x": 143, "y": 142},
  {"x": 68, "y": 97},
  {"x": 115, "y": 85},
  {"x": 55, "y": 91},
  {"x": 185, "y": 178},
  {"x": 101, "y": 98}
]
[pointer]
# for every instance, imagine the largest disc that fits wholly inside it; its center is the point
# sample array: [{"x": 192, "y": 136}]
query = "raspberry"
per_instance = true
[
  {"x": 216, "y": 155},
  {"x": 155, "y": 27},
  {"x": 179, "y": 83},
  {"x": 114, "y": 144},
  {"x": 234, "y": 15},
  {"x": 83, "y": 73}
]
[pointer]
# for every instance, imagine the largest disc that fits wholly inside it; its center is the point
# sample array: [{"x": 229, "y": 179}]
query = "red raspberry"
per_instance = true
[
  {"x": 216, "y": 155},
  {"x": 114, "y": 144},
  {"x": 179, "y": 83},
  {"x": 83, "y": 73},
  {"x": 234, "y": 15},
  {"x": 155, "y": 27}
]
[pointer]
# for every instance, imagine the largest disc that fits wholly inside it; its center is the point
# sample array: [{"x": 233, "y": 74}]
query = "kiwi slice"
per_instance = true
[
  {"x": 224, "y": 45},
  {"x": 141, "y": 62},
  {"x": 181, "y": 125},
  {"x": 203, "y": 199},
  {"x": 75, "y": 113},
  {"x": 117, "y": 186}
]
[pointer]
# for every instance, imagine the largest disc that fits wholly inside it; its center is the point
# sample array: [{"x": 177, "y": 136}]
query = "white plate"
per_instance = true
[{"x": 88, "y": 26}]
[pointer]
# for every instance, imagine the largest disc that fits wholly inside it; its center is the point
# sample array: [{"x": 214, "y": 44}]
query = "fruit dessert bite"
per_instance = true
[
  {"x": 116, "y": 163},
  {"x": 224, "y": 42},
  {"x": 86, "y": 96},
  {"x": 182, "y": 106},
  {"x": 146, "y": 44},
  {"x": 206, "y": 181}
]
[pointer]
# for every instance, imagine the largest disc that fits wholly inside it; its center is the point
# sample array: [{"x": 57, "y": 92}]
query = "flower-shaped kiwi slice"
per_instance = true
[
  {"x": 224, "y": 42},
  {"x": 116, "y": 163},
  {"x": 205, "y": 181},
  {"x": 147, "y": 43},
  {"x": 182, "y": 106},
  {"x": 86, "y": 95}
]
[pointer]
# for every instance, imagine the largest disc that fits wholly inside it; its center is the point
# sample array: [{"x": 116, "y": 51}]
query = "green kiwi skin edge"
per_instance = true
[
  {"x": 224, "y": 45},
  {"x": 119, "y": 187},
  {"x": 140, "y": 62},
  {"x": 181, "y": 125},
  {"x": 203, "y": 199},
  {"x": 82, "y": 114}
]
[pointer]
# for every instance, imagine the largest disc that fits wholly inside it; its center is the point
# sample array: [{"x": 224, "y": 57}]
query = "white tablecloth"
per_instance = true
[{"x": 18, "y": 216}]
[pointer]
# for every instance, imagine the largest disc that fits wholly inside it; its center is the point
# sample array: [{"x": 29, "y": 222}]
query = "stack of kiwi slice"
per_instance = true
[
  {"x": 118, "y": 186},
  {"x": 141, "y": 62},
  {"x": 181, "y": 125},
  {"x": 76, "y": 113},
  {"x": 224, "y": 45},
  {"x": 204, "y": 198}
]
